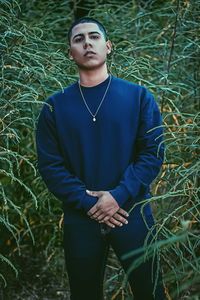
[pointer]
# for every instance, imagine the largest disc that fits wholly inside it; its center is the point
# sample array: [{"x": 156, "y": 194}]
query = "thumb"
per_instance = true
[{"x": 94, "y": 193}]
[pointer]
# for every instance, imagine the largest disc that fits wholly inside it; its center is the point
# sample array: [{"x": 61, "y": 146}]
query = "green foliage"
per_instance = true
[{"x": 156, "y": 45}]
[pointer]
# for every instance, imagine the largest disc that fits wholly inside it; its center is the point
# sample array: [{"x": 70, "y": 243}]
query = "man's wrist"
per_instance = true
[
  {"x": 88, "y": 202},
  {"x": 120, "y": 194}
]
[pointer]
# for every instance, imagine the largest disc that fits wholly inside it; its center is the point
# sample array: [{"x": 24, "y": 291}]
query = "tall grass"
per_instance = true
[
  {"x": 156, "y": 46},
  {"x": 31, "y": 70}
]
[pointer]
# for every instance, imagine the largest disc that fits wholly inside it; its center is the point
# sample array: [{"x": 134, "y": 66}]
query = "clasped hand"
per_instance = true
[{"x": 107, "y": 210}]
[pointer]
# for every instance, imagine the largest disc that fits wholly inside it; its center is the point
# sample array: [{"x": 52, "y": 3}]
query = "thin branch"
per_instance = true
[{"x": 171, "y": 52}]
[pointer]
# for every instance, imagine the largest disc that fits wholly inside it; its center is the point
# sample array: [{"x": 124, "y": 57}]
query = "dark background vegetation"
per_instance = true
[{"x": 156, "y": 44}]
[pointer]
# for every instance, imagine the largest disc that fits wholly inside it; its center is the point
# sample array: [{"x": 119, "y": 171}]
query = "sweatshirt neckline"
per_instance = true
[{"x": 98, "y": 85}]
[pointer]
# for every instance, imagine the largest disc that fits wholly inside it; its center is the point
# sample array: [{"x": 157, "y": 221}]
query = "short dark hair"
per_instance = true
[{"x": 87, "y": 20}]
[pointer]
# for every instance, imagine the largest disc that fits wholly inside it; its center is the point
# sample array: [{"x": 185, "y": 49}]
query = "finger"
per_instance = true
[
  {"x": 94, "y": 193},
  {"x": 119, "y": 218},
  {"x": 92, "y": 211},
  {"x": 97, "y": 216},
  {"x": 101, "y": 217},
  {"x": 115, "y": 222},
  {"x": 108, "y": 214},
  {"x": 105, "y": 219},
  {"x": 109, "y": 224},
  {"x": 123, "y": 212}
]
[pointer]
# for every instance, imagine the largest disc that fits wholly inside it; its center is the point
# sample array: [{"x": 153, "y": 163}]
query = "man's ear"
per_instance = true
[
  {"x": 109, "y": 46},
  {"x": 69, "y": 54}
]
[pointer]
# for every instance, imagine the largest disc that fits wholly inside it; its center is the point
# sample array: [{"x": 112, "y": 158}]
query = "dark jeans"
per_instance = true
[{"x": 86, "y": 245}]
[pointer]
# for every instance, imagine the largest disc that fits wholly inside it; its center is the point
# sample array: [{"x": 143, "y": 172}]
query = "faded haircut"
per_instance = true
[{"x": 87, "y": 20}]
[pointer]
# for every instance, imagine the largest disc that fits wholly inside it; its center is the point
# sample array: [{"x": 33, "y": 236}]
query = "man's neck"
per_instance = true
[{"x": 90, "y": 78}]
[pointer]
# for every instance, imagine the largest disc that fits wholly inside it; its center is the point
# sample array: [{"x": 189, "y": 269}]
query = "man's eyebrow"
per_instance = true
[
  {"x": 91, "y": 32},
  {"x": 94, "y": 32}
]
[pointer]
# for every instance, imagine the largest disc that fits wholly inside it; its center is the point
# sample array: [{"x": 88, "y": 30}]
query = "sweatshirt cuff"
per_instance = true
[
  {"x": 121, "y": 194},
  {"x": 88, "y": 202}
]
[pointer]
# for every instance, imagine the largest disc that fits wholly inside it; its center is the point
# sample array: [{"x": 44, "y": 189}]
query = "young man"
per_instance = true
[{"x": 98, "y": 153}]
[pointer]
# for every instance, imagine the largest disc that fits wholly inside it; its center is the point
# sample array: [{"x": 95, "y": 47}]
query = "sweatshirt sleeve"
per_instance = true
[
  {"x": 149, "y": 154},
  {"x": 64, "y": 185}
]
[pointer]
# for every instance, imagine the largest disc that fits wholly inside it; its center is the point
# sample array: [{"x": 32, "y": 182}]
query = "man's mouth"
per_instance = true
[{"x": 89, "y": 53}]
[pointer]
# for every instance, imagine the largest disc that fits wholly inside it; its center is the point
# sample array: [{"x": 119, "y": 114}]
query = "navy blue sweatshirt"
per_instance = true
[{"x": 119, "y": 153}]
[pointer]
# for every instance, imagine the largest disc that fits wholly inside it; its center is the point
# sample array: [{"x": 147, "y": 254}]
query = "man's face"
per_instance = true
[{"x": 88, "y": 46}]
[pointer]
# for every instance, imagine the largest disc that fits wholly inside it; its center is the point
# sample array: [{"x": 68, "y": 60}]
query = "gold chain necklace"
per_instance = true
[{"x": 95, "y": 114}]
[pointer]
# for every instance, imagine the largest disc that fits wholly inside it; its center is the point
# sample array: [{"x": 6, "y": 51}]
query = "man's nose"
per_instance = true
[{"x": 87, "y": 42}]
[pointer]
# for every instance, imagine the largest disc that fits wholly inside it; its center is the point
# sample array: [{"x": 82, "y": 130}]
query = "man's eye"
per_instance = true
[
  {"x": 94, "y": 37},
  {"x": 78, "y": 40}
]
